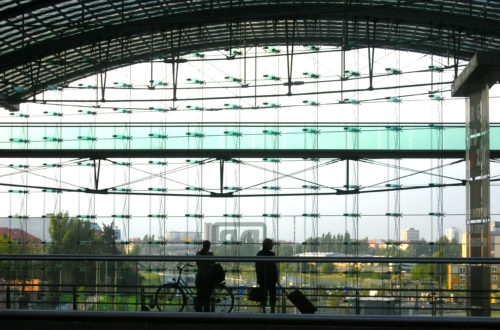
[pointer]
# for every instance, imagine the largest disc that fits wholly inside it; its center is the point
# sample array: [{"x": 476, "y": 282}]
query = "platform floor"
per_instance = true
[{"x": 78, "y": 320}]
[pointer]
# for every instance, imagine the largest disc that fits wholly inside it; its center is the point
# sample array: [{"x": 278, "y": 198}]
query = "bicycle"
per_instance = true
[{"x": 172, "y": 296}]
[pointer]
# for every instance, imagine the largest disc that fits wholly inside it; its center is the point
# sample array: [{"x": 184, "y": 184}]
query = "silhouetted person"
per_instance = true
[
  {"x": 204, "y": 279},
  {"x": 267, "y": 275}
]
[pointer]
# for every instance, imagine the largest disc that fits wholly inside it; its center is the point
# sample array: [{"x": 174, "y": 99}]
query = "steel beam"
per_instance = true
[
  {"x": 402, "y": 15},
  {"x": 235, "y": 153},
  {"x": 483, "y": 69}
]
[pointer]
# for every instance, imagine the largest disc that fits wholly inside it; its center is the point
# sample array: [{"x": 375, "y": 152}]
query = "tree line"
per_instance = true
[{"x": 70, "y": 235}]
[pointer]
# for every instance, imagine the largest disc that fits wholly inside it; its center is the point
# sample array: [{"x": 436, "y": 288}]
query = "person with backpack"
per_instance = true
[
  {"x": 204, "y": 281},
  {"x": 267, "y": 275}
]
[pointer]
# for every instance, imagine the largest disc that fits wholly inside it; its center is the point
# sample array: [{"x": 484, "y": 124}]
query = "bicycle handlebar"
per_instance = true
[{"x": 182, "y": 266}]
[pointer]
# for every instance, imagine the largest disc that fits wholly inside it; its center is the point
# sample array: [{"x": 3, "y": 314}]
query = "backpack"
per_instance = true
[{"x": 218, "y": 273}]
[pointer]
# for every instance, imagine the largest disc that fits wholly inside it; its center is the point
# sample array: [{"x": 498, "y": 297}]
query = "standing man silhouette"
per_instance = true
[
  {"x": 267, "y": 275},
  {"x": 204, "y": 280}
]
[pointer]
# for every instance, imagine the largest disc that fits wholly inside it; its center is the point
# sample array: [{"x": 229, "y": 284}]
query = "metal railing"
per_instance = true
[{"x": 350, "y": 286}]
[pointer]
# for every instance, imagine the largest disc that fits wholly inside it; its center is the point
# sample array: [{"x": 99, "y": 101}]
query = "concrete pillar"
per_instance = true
[{"x": 474, "y": 82}]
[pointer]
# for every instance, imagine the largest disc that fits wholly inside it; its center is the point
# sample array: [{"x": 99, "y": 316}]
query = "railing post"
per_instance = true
[
  {"x": 283, "y": 301},
  {"x": 7, "y": 292},
  {"x": 143, "y": 300},
  {"x": 433, "y": 302},
  {"x": 75, "y": 306},
  {"x": 358, "y": 309}
]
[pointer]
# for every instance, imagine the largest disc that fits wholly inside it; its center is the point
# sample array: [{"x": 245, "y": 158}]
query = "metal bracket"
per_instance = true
[
  {"x": 175, "y": 60},
  {"x": 97, "y": 172},
  {"x": 103, "y": 71},
  {"x": 371, "y": 52},
  {"x": 289, "y": 55}
]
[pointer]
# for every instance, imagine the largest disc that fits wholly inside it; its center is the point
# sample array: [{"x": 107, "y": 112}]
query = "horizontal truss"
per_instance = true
[{"x": 237, "y": 153}]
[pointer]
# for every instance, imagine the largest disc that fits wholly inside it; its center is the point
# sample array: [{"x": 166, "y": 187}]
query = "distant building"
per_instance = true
[
  {"x": 495, "y": 226},
  {"x": 377, "y": 243},
  {"x": 39, "y": 226},
  {"x": 464, "y": 244},
  {"x": 182, "y": 236},
  {"x": 118, "y": 234},
  {"x": 18, "y": 235},
  {"x": 457, "y": 274},
  {"x": 495, "y": 239},
  {"x": 96, "y": 228},
  {"x": 452, "y": 233},
  {"x": 457, "y": 277},
  {"x": 406, "y": 244},
  {"x": 207, "y": 231},
  {"x": 245, "y": 232},
  {"x": 36, "y": 226},
  {"x": 410, "y": 234}
]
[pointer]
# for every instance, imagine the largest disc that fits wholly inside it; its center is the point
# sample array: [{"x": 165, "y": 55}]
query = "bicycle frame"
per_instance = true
[{"x": 181, "y": 283}]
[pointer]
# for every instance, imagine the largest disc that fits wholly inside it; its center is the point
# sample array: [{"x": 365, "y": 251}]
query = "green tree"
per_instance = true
[
  {"x": 22, "y": 270},
  {"x": 417, "y": 249},
  {"x": 75, "y": 236},
  {"x": 425, "y": 272},
  {"x": 286, "y": 249},
  {"x": 327, "y": 268},
  {"x": 449, "y": 249},
  {"x": 71, "y": 236},
  {"x": 108, "y": 239}
]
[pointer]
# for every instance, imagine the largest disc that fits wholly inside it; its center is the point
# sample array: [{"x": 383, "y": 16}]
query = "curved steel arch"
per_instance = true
[{"x": 54, "y": 42}]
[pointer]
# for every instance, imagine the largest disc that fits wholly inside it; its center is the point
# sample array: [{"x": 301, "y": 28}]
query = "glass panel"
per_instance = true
[{"x": 322, "y": 137}]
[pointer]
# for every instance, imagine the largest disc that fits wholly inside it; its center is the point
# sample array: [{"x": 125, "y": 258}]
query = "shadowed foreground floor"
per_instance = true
[{"x": 76, "y": 320}]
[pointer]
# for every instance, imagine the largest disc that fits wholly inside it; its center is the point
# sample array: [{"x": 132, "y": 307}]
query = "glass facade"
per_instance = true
[{"x": 221, "y": 136}]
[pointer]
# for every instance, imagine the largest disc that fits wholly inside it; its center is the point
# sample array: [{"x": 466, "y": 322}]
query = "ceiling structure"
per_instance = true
[{"x": 51, "y": 42}]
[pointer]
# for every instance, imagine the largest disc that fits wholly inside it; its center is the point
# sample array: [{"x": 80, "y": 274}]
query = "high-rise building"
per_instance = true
[
  {"x": 452, "y": 233},
  {"x": 207, "y": 231},
  {"x": 410, "y": 234}
]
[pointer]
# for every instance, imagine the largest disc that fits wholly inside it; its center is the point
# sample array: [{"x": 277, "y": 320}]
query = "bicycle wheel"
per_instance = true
[
  {"x": 170, "y": 298},
  {"x": 222, "y": 299}
]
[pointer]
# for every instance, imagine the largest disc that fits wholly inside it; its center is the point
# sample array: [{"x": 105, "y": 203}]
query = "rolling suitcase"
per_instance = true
[{"x": 300, "y": 301}]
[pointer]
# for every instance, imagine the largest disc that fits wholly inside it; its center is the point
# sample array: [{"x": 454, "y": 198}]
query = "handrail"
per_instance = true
[{"x": 347, "y": 259}]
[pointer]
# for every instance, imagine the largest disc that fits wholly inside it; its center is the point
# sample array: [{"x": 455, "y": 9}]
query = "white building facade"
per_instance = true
[
  {"x": 452, "y": 233},
  {"x": 410, "y": 234}
]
